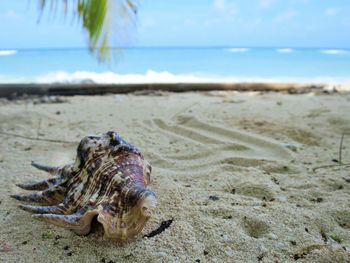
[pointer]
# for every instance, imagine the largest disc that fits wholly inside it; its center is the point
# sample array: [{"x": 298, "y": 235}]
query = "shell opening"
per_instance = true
[{"x": 148, "y": 204}]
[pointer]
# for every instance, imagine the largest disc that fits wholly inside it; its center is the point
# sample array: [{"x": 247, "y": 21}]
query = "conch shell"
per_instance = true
[{"x": 107, "y": 180}]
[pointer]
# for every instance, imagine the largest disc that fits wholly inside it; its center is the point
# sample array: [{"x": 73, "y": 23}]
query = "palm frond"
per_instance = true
[{"x": 102, "y": 19}]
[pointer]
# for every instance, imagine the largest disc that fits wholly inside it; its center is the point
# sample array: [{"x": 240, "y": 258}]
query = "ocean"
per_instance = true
[{"x": 173, "y": 65}]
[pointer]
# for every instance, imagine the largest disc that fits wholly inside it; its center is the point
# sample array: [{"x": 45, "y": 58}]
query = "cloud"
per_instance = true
[
  {"x": 332, "y": 11},
  {"x": 266, "y": 3},
  {"x": 225, "y": 6},
  {"x": 286, "y": 16},
  {"x": 219, "y": 4}
]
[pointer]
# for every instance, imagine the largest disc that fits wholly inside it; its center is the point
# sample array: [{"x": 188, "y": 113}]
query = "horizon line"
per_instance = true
[{"x": 174, "y": 47}]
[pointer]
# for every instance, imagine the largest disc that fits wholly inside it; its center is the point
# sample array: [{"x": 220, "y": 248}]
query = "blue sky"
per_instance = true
[{"x": 240, "y": 23}]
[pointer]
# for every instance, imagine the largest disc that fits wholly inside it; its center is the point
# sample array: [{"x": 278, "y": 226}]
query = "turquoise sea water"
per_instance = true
[{"x": 135, "y": 65}]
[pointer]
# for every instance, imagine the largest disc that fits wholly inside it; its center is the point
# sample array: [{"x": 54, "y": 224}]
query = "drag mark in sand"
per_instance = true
[{"x": 217, "y": 145}]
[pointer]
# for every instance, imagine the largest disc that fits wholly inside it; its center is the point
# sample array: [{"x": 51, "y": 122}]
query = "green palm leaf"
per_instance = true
[{"x": 102, "y": 19}]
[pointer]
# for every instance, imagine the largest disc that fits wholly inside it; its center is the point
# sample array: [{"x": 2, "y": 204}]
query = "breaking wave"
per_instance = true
[
  {"x": 237, "y": 50},
  {"x": 86, "y": 77},
  {"x": 335, "y": 51},
  {"x": 284, "y": 50},
  {"x": 113, "y": 78},
  {"x": 8, "y": 52}
]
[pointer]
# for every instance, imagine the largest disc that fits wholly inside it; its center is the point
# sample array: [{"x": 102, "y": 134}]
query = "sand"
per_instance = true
[{"x": 233, "y": 170}]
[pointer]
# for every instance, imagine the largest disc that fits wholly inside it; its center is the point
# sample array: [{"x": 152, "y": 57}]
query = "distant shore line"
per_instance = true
[{"x": 18, "y": 90}]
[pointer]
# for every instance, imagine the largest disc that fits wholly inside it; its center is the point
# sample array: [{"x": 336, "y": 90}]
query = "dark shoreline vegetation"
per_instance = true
[{"x": 13, "y": 91}]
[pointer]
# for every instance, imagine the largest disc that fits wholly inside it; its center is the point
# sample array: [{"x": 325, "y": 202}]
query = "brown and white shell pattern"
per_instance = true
[{"x": 107, "y": 180}]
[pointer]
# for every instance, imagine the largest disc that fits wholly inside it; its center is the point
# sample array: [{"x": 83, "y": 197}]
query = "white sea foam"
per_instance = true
[
  {"x": 110, "y": 77},
  {"x": 167, "y": 77},
  {"x": 8, "y": 52},
  {"x": 284, "y": 50},
  {"x": 335, "y": 51},
  {"x": 237, "y": 50}
]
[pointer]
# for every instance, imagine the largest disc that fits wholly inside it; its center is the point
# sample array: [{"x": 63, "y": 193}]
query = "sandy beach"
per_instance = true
[{"x": 233, "y": 170}]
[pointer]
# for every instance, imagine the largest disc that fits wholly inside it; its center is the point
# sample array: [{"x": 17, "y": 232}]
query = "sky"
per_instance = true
[{"x": 229, "y": 23}]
